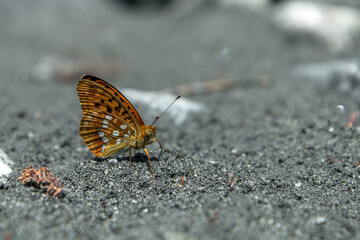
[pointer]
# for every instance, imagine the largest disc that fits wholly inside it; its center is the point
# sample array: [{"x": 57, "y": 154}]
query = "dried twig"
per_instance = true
[
  {"x": 69, "y": 72},
  {"x": 231, "y": 180},
  {"x": 332, "y": 160},
  {"x": 353, "y": 117},
  {"x": 183, "y": 180},
  {"x": 212, "y": 217},
  {"x": 43, "y": 179},
  {"x": 222, "y": 84}
]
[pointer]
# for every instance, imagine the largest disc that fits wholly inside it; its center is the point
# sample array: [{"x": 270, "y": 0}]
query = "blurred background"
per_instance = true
[
  {"x": 270, "y": 94},
  {"x": 188, "y": 47},
  {"x": 159, "y": 44},
  {"x": 203, "y": 49}
]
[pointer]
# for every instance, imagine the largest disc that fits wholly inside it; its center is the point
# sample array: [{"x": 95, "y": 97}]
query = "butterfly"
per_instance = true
[{"x": 110, "y": 124}]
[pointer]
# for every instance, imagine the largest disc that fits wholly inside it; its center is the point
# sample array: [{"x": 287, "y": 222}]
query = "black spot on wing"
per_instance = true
[
  {"x": 108, "y": 109},
  {"x": 89, "y": 77}
]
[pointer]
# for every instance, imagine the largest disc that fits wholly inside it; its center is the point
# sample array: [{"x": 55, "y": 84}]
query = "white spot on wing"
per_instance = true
[
  {"x": 116, "y": 133},
  {"x": 123, "y": 126},
  {"x": 108, "y": 117},
  {"x": 106, "y": 122},
  {"x": 105, "y": 139},
  {"x": 126, "y": 136},
  {"x": 103, "y": 147},
  {"x": 101, "y": 134},
  {"x": 118, "y": 141},
  {"x": 104, "y": 126}
]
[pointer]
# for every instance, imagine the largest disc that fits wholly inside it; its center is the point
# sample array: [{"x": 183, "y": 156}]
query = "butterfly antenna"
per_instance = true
[{"x": 157, "y": 118}]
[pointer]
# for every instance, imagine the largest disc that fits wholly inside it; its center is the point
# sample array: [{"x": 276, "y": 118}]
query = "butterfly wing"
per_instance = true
[
  {"x": 95, "y": 93},
  {"x": 108, "y": 119},
  {"x": 105, "y": 134}
]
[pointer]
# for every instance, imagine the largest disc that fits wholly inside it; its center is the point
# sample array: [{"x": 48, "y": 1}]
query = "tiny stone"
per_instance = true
[
  {"x": 319, "y": 220},
  {"x": 31, "y": 135},
  {"x": 37, "y": 114},
  {"x": 113, "y": 161},
  {"x": 298, "y": 184},
  {"x": 213, "y": 162},
  {"x": 340, "y": 108},
  {"x": 234, "y": 151}
]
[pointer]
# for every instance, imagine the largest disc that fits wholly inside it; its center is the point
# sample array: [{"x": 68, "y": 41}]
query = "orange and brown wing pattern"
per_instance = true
[
  {"x": 109, "y": 119},
  {"x": 105, "y": 134},
  {"x": 95, "y": 93}
]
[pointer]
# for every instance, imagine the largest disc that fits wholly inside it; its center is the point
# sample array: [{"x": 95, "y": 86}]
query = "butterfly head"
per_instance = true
[{"x": 150, "y": 131}]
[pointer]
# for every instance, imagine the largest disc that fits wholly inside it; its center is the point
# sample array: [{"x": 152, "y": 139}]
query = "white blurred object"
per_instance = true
[
  {"x": 45, "y": 69},
  {"x": 323, "y": 71},
  {"x": 159, "y": 101},
  {"x": 5, "y": 166},
  {"x": 249, "y": 4},
  {"x": 335, "y": 25},
  {"x": 50, "y": 68}
]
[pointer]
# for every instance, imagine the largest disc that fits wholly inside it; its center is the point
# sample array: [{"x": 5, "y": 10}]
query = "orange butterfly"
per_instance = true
[{"x": 110, "y": 124}]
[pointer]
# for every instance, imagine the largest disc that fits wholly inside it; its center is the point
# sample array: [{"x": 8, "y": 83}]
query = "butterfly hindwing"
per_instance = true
[{"x": 105, "y": 134}]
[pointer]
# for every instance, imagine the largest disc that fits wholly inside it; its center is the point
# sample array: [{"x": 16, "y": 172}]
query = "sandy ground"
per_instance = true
[{"x": 287, "y": 143}]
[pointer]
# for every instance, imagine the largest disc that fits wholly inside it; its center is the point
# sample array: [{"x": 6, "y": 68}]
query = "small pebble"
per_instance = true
[
  {"x": 319, "y": 220},
  {"x": 113, "y": 161}
]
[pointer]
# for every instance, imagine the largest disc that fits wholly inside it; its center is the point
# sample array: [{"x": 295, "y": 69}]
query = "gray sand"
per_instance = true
[{"x": 296, "y": 179}]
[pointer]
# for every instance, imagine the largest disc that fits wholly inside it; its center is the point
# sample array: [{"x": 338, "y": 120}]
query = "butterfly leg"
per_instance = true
[
  {"x": 147, "y": 153},
  {"x": 161, "y": 146},
  {"x": 129, "y": 161}
]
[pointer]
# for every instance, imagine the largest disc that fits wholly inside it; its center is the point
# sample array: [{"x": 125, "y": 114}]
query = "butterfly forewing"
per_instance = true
[
  {"x": 95, "y": 93},
  {"x": 108, "y": 119}
]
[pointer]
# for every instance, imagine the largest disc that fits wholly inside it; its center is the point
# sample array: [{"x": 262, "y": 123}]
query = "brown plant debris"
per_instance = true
[
  {"x": 231, "y": 181},
  {"x": 42, "y": 179},
  {"x": 183, "y": 180},
  {"x": 212, "y": 217},
  {"x": 352, "y": 119},
  {"x": 221, "y": 84}
]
